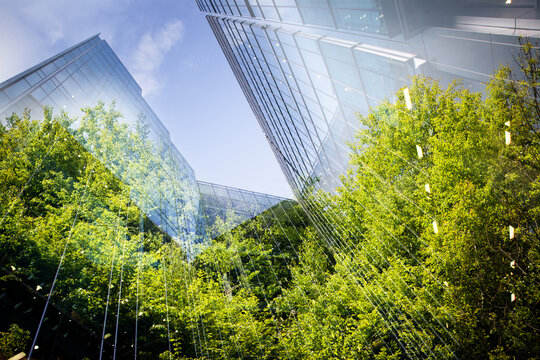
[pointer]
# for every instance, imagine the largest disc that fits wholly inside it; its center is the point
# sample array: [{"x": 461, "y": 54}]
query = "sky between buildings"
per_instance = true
[{"x": 169, "y": 48}]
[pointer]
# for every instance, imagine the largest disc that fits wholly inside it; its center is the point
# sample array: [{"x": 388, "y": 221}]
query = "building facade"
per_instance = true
[
  {"x": 90, "y": 72},
  {"x": 162, "y": 183},
  {"x": 121, "y": 197},
  {"x": 309, "y": 67},
  {"x": 226, "y": 207}
]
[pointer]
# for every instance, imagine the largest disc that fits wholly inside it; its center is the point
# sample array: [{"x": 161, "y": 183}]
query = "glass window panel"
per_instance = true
[
  {"x": 249, "y": 197},
  {"x": 379, "y": 86},
  {"x": 33, "y": 78},
  {"x": 344, "y": 73},
  {"x": 341, "y": 133},
  {"x": 256, "y": 11},
  {"x": 350, "y": 96},
  {"x": 235, "y": 194},
  {"x": 206, "y": 189},
  {"x": 69, "y": 56},
  {"x": 306, "y": 90},
  {"x": 49, "y": 69},
  {"x": 322, "y": 83},
  {"x": 17, "y": 89},
  {"x": 300, "y": 73},
  {"x": 314, "y": 62},
  {"x": 60, "y": 61},
  {"x": 39, "y": 94},
  {"x": 380, "y": 64},
  {"x": 48, "y": 86},
  {"x": 221, "y": 192},
  {"x": 271, "y": 60},
  {"x": 305, "y": 43},
  {"x": 73, "y": 89},
  {"x": 243, "y": 10},
  {"x": 235, "y": 10},
  {"x": 270, "y": 13},
  {"x": 292, "y": 53},
  {"x": 4, "y": 100},
  {"x": 316, "y": 114},
  {"x": 83, "y": 81},
  {"x": 48, "y": 101},
  {"x": 360, "y": 20},
  {"x": 317, "y": 16},
  {"x": 328, "y": 102},
  {"x": 286, "y": 38},
  {"x": 335, "y": 51},
  {"x": 71, "y": 68},
  {"x": 61, "y": 76},
  {"x": 290, "y": 14}
]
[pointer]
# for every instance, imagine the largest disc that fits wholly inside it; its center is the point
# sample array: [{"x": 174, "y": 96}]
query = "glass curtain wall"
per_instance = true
[
  {"x": 308, "y": 67},
  {"x": 103, "y": 225},
  {"x": 225, "y": 207},
  {"x": 163, "y": 184}
]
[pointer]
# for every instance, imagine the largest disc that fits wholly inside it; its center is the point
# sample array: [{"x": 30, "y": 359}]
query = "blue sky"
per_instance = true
[{"x": 169, "y": 48}]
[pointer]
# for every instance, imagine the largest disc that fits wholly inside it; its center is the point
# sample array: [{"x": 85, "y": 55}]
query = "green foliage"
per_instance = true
[
  {"x": 55, "y": 195},
  {"x": 14, "y": 341},
  {"x": 66, "y": 189},
  {"x": 412, "y": 257},
  {"x": 436, "y": 271}
]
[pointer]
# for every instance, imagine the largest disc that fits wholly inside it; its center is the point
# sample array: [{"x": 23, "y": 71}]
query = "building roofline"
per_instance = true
[
  {"x": 21, "y": 75},
  {"x": 244, "y": 190}
]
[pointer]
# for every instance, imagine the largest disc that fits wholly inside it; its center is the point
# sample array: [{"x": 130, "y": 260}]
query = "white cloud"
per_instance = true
[
  {"x": 190, "y": 64},
  {"x": 150, "y": 53},
  {"x": 33, "y": 30},
  {"x": 55, "y": 35}
]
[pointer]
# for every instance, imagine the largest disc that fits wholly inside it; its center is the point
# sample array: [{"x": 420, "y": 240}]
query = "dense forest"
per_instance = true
[{"x": 429, "y": 249}]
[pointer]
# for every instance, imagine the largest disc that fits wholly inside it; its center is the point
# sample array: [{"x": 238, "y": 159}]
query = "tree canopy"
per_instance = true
[{"x": 429, "y": 249}]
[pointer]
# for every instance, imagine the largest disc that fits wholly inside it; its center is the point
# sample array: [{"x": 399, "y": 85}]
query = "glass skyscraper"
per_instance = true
[
  {"x": 164, "y": 187},
  {"x": 125, "y": 205},
  {"x": 307, "y": 67},
  {"x": 90, "y": 72}
]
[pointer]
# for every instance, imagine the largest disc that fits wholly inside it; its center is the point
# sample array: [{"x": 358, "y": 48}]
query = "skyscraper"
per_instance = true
[
  {"x": 308, "y": 67},
  {"x": 166, "y": 189},
  {"x": 90, "y": 72},
  {"x": 123, "y": 199}
]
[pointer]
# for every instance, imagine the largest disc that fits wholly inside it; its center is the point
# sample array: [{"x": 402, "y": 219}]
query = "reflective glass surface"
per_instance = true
[
  {"x": 223, "y": 207},
  {"x": 163, "y": 184},
  {"x": 308, "y": 67}
]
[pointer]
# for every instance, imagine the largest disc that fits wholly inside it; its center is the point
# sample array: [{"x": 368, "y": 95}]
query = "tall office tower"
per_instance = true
[
  {"x": 113, "y": 192},
  {"x": 308, "y": 67},
  {"x": 162, "y": 182},
  {"x": 89, "y": 72}
]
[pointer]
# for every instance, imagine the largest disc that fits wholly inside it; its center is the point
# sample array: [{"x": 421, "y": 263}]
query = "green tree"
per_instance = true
[
  {"x": 436, "y": 225},
  {"x": 14, "y": 341}
]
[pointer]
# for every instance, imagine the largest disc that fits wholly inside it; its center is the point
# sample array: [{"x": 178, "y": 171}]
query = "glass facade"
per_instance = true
[
  {"x": 102, "y": 219},
  {"x": 308, "y": 67},
  {"x": 225, "y": 207},
  {"x": 162, "y": 183}
]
